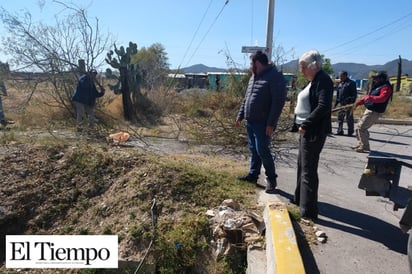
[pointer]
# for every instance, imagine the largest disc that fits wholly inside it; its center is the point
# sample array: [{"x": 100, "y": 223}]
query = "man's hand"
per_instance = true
[
  {"x": 237, "y": 123},
  {"x": 355, "y": 105},
  {"x": 301, "y": 130}
]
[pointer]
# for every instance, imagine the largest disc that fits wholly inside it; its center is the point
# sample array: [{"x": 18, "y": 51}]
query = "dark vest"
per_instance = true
[{"x": 377, "y": 107}]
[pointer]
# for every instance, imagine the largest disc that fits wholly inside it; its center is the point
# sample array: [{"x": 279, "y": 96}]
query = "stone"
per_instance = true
[{"x": 320, "y": 233}]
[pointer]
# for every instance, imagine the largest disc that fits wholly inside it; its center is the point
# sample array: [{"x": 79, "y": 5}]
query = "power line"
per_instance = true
[
  {"x": 382, "y": 36},
  {"x": 194, "y": 35},
  {"x": 369, "y": 33},
  {"x": 207, "y": 32}
]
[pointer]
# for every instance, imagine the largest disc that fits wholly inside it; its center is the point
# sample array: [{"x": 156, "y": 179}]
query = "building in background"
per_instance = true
[{"x": 405, "y": 86}]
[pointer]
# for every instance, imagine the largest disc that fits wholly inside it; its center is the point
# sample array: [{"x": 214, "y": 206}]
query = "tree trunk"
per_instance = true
[{"x": 128, "y": 110}]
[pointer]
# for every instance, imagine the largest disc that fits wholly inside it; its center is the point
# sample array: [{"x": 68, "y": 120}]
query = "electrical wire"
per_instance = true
[
  {"x": 207, "y": 32},
  {"x": 378, "y": 29},
  {"x": 349, "y": 51},
  {"x": 188, "y": 47},
  {"x": 196, "y": 32}
]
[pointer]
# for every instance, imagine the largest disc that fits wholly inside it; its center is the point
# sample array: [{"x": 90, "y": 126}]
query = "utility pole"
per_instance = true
[
  {"x": 269, "y": 33},
  {"x": 398, "y": 78}
]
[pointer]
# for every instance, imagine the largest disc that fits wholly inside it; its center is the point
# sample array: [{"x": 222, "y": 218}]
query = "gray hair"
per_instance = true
[{"x": 312, "y": 58}]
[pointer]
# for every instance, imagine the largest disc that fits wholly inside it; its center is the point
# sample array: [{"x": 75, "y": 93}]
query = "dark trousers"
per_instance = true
[
  {"x": 349, "y": 119},
  {"x": 306, "y": 193}
]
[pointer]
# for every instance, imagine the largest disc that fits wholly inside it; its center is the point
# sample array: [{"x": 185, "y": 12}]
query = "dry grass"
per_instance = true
[{"x": 399, "y": 108}]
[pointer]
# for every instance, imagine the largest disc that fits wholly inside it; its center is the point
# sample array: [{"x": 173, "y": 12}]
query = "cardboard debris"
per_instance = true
[{"x": 234, "y": 228}]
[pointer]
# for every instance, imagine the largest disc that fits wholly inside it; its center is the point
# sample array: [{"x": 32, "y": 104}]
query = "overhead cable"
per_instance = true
[
  {"x": 369, "y": 33},
  {"x": 194, "y": 35},
  {"x": 207, "y": 32}
]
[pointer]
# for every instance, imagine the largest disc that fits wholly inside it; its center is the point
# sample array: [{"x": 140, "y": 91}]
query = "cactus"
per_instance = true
[{"x": 128, "y": 80}]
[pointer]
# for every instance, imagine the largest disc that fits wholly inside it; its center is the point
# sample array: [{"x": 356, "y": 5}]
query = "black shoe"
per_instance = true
[
  {"x": 309, "y": 215},
  {"x": 270, "y": 187},
  {"x": 295, "y": 128},
  {"x": 248, "y": 178},
  {"x": 350, "y": 134},
  {"x": 3, "y": 123},
  {"x": 339, "y": 133}
]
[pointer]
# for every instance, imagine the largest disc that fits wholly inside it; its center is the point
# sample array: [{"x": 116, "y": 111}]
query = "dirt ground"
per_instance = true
[{"x": 100, "y": 196}]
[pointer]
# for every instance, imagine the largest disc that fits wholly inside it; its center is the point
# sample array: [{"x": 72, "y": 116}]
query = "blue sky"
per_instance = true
[{"x": 206, "y": 31}]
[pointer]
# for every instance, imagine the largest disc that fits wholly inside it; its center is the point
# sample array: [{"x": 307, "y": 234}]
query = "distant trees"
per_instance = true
[
  {"x": 4, "y": 68},
  {"x": 55, "y": 49},
  {"x": 327, "y": 66},
  {"x": 153, "y": 65},
  {"x": 146, "y": 68}
]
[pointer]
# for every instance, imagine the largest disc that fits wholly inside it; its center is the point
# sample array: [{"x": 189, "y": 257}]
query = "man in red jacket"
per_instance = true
[{"x": 375, "y": 102}]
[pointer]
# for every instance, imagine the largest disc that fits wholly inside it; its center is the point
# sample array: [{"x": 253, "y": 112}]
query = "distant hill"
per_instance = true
[
  {"x": 356, "y": 71},
  {"x": 360, "y": 71},
  {"x": 200, "y": 68}
]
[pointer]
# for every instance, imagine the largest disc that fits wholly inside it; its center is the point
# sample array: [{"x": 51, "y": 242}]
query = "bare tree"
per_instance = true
[
  {"x": 54, "y": 50},
  {"x": 282, "y": 56}
]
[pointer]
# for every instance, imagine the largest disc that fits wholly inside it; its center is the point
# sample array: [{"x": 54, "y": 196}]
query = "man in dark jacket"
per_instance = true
[
  {"x": 345, "y": 95},
  {"x": 375, "y": 102},
  {"x": 312, "y": 133},
  {"x": 261, "y": 108},
  {"x": 84, "y": 98}
]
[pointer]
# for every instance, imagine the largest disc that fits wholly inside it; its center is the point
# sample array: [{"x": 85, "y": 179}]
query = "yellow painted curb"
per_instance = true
[{"x": 281, "y": 240}]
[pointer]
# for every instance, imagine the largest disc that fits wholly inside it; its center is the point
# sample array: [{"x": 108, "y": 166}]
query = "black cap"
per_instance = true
[{"x": 381, "y": 75}]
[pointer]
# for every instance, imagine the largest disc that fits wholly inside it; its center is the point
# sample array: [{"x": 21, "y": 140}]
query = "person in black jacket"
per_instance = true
[
  {"x": 84, "y": 99},
  {"x": 346, "y": 95},
  {"x": 313, "y": 131},
  {"x": 261, "y": 108}
]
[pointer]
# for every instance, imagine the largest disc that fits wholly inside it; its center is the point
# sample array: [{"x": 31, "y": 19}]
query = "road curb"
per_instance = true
[
  {"x": 394, "y": 122},
  {"x": 282, "y": 251},
  {"x": 384, "y": 121}
]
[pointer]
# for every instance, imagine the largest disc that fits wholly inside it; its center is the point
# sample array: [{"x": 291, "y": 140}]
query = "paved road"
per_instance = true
[{"x": 363, "y": 231}]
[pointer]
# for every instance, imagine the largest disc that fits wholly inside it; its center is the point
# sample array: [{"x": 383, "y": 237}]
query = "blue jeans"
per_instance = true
[{"x": 259, "y": 143}]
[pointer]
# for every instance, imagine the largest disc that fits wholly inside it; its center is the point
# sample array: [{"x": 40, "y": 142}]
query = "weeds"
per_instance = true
[
  {"x": 7, "y": 137},
  {"x": 107, "y": 230},
  {"x": 90, "y": 190},
  {"x": 399, "y": 107}
]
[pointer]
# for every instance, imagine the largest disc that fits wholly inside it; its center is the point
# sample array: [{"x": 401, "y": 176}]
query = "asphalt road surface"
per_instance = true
[{"x": 363, "y": 231}]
